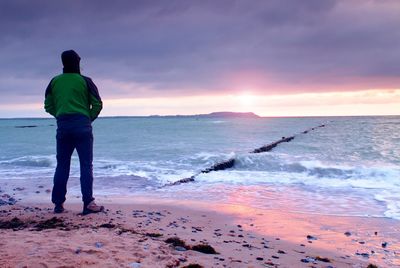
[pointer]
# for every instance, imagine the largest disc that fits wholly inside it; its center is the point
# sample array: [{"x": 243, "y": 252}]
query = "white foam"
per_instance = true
[
  {"x": 31, "y": 161},
  {"x": 392, "y": 202}
]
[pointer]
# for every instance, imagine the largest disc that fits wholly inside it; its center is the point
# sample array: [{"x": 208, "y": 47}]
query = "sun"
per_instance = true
[{"x": 246, "y": 99}]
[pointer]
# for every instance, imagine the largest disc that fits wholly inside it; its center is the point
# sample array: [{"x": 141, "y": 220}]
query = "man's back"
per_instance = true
[{"x": 72, "y": 93}]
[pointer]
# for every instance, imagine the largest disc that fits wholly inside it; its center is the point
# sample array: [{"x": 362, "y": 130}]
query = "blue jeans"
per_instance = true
[{"x": 73, "y": 132}]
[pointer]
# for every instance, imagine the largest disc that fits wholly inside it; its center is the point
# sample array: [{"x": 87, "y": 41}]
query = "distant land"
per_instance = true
[
  {"x": 210, "y": 115},
  {"x": 215, "y": 115}
]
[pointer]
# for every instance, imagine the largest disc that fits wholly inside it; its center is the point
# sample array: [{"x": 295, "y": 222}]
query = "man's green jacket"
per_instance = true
[{"x": 72, "y": 93}]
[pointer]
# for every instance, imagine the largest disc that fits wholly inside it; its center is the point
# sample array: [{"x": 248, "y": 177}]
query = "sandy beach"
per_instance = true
[{"x": 168, "y": 233}]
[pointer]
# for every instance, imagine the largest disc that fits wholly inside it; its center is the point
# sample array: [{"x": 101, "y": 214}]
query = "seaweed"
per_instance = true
[
  {"x": 176, "y": 242},
  {"x": 323, "y": 259},
  {"x": 204, "y": 248},
  {"x": 107, "y": 225},
  {"x": 154, "y": 234},
  {"x": 193, "y": 265},
  {"x": 52, "y": 223},
  {"x": 14, "y": 223}
]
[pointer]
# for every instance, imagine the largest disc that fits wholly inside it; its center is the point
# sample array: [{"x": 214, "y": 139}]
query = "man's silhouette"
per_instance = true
[{"x": 73, "y": 99}]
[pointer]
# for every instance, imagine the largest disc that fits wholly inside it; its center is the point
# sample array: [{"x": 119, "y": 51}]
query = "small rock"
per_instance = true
[
  {"x": 259, "y": 259},
  {"x": 365, "y": 255},
  {"x": 347, "y": 234},
  {"x": 98, "y": 245},
  {"x": 179, "y": 248},
  {"x": 310, "y": 237},
  {"x": 384, "y": 244},
  {"x": 135, "y": 265},
  {"x": 307, "y": 260}
]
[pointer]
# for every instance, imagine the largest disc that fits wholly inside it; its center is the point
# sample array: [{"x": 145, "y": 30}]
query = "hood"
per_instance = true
[{"x": 70, "y": 60}]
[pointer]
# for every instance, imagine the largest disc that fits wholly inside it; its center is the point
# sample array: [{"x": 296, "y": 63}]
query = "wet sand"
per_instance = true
[{"x": 169, "y": 233}]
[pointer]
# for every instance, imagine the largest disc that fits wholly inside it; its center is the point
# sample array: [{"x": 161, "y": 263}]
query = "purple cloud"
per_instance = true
[{"x": 203, "y": 47}]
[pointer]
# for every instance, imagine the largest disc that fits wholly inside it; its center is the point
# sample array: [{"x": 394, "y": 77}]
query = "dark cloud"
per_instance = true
[{"x": 198, "y": 46}]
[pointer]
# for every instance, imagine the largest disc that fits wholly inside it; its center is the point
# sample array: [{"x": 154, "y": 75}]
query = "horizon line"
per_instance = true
[{"x": 194, "y": 115}]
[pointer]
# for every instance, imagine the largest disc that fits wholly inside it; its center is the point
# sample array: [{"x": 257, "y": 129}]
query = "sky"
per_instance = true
[{"x": 271, "y": 57}]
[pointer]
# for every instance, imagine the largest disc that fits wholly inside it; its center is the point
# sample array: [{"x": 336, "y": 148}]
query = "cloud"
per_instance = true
[{"x": 202, "y": 47}]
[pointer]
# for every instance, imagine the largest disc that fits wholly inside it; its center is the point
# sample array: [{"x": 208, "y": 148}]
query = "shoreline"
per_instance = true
[{"x": 243, "y": 236}]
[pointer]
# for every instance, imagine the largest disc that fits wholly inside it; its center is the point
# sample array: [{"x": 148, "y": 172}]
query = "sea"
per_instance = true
[{"x": 349, "y": 167}]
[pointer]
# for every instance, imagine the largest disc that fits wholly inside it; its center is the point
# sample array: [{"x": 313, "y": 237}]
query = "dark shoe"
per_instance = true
[
  {"x": 92, "y": 207},
  {"x": 58, "y": 208}
]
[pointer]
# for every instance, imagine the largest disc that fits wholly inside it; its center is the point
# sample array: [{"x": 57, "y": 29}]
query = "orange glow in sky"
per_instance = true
[{"x": 370, "y": 102}]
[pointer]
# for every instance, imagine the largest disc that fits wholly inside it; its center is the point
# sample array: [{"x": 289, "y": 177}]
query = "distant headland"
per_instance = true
[{"x": 216, "y": 115}]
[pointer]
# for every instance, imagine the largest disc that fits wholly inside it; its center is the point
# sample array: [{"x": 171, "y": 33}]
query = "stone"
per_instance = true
[
  {"x": 347, "y": 234},
  {"x": 135, "y": 265}
]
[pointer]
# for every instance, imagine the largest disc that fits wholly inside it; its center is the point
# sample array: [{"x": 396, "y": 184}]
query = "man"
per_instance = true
[{"x": 73, "y": 99}]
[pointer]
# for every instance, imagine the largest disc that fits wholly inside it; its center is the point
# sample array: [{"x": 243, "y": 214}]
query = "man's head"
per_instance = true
[{"x": 70, "y": 60}]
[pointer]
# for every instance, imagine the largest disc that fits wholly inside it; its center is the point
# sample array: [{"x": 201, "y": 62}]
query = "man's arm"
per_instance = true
[
  {"x": 94, "y": 99},
  {"x": 48, "y": 101}
]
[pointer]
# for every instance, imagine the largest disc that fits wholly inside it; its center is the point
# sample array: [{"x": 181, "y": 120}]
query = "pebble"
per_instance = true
[
  {"x": 179, "y": 248},
  {"x": 98, "y": 245},
  {"x": 135, "y": 265},
  {"x": 310, "y": 237},
  {"x": 307, "y": 260},
  {"x": 384, "y": 244},
  {"x": 347, "y": 234},
  {"x": 365, "y": 255}
]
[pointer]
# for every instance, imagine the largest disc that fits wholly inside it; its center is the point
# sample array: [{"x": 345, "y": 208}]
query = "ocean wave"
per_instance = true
[
  {"x": 271, "y": 163},
  {"x": 392, "y": 200},
  {"x": 31, "y": 161}
]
